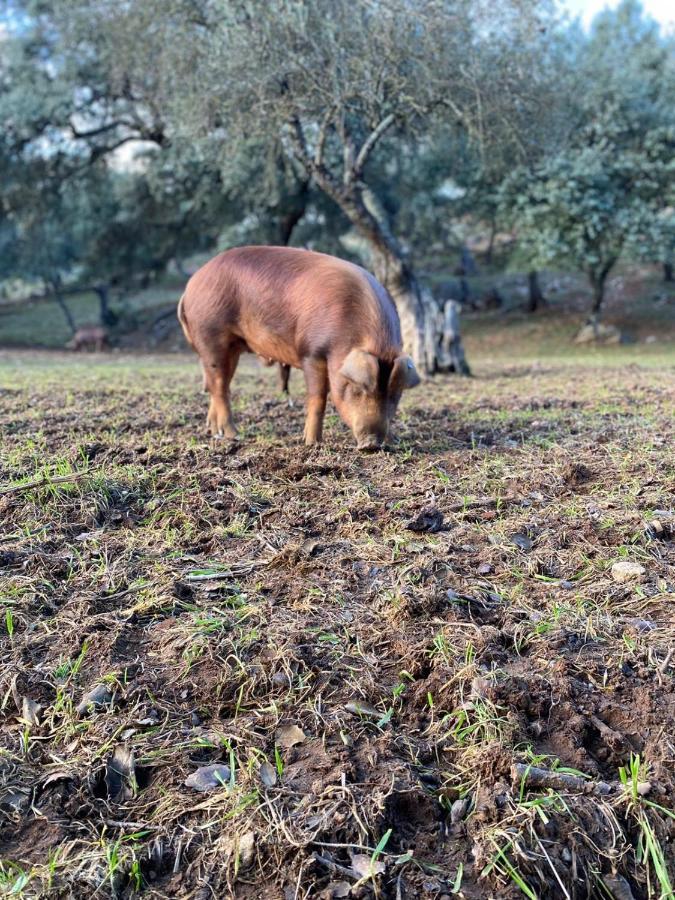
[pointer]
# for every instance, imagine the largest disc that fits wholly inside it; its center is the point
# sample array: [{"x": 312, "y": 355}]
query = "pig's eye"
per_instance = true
[{"x": 356, "y": 391}]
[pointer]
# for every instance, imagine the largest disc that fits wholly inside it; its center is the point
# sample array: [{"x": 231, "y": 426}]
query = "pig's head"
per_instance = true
[{"x": 366, "y": 391}]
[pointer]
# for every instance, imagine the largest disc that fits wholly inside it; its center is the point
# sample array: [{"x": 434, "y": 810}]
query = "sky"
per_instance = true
[{"x": 661, "y": 10}]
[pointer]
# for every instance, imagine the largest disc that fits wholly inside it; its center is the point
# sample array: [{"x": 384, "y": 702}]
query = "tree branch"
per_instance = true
[
  {"x": 316, "y": 170},
  {"x": 369, "y": 145},
  {"x": 323, "y": 134},
  {"x": 94, "y": 132}
]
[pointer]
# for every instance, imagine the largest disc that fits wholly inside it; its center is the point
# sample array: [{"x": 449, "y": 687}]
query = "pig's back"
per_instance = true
[{"x": 314, "y": 300}]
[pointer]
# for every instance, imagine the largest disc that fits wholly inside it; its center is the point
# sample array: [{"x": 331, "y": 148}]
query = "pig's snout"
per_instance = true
[{"x": 369, "y": 443}]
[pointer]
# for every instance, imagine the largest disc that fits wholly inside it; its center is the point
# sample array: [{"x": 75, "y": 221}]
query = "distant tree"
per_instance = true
[
  {"x": 69, "y": 98},
  {"x": 103, "y": 230},
  {"x": 606, "y": 193}
]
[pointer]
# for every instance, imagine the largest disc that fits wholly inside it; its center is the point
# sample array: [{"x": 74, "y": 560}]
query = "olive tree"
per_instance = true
[{"x": 330, "y": 84}]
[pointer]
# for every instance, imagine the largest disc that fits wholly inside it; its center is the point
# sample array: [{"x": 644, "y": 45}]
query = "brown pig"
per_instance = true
[
  {"x": 314, "y": 312},
  {"x": 93, "y": 336}
]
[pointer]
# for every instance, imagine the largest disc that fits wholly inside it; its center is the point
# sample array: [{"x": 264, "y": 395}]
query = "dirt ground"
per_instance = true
[{"x": 427, "y": 672}]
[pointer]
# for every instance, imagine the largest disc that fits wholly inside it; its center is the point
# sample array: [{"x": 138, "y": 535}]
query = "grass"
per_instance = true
[{"x": 223, "y": 593}]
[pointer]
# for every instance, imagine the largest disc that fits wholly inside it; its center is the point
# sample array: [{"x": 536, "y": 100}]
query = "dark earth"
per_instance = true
[{"x": 418, "y": 670}]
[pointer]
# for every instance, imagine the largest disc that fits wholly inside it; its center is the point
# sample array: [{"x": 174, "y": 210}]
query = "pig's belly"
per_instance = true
[{"x": 271, "y": 346}]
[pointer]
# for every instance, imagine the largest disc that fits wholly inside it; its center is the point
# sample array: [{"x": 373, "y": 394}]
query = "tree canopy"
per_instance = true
[{"x": 245, "y": 121}]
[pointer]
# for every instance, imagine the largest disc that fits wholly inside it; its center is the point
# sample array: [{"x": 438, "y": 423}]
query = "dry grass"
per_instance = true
[{"x": 385, "y": 699}]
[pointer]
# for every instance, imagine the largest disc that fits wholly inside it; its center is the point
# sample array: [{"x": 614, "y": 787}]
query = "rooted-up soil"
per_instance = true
[{"x": 417, "y": 665}]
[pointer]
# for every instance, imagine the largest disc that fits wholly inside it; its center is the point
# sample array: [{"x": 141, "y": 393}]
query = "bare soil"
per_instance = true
[{"x": 417, "y": 665}]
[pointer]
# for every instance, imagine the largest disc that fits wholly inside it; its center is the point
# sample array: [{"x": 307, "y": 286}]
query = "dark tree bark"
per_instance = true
[
  {"x": 468, "y": 263},
  {"x": 535, "y": 298},
  {"x": 598, "y": 279},
  {"x": 58, "y": 296},
  {"x": 491, "y": 242},
  {"x": 668, "y": 272},
  {"x": 106, "y": 316},
  {"x": 295, "y": 210}
]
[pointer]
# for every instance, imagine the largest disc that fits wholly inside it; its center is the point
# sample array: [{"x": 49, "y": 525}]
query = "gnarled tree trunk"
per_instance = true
[
  {"x": 294, "y": 209},
  {"x": 423, "y": 324},
  {"x": 598, "y": 279},
  {"x": 106, "y": 316},
  {"x": 535, "y": 297},
  {"x": 58, "y": 296}
]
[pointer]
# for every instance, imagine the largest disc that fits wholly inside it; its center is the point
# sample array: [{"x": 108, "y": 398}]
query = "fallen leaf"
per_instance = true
[
  {"x": 246, "y": 848},
  {"x": 209, "y": 778},
  {"x": 290, "y": 735},
  {"x": 429, "y": 519},
  {"x": 365, "y": 867},
  {"x": 268, "y": 775}
]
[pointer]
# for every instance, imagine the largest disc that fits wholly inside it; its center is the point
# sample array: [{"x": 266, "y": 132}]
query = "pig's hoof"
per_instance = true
[{"x": 227, "y": 433}]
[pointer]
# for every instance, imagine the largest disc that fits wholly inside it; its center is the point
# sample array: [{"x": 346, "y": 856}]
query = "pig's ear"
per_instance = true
[
  {"x": 403, "y": 375},
  {"x": 361, "y": 368}
]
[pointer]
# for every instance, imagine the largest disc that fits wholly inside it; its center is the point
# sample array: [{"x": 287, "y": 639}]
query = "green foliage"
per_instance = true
[{"x": 608, "y": 190}]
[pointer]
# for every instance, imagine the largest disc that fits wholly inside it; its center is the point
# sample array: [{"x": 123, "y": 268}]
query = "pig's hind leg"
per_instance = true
[
  {"x": 284, "y": 375},
  {"x": 218, "y": 372}
]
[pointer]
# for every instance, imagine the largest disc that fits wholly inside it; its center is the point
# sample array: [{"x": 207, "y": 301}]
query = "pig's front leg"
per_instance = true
[{"x": 316, "y": 379}]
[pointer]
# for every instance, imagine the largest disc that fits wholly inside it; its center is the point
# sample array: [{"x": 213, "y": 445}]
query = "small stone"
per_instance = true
[
  {"x": 627, "y": 571},
  {"x": 429, "y": 519},
  {"x": 246, "y": 848},
  {"x": 30, "y": 711},
  {"x": 209, "y": 778},
  {"x": 567, "y": 585},
  {"x": 484, "y": 569},
  {"x": 522, "y": 541},
  {"x": 281, "y": 679},
  {"x": 364, "y": 866}
]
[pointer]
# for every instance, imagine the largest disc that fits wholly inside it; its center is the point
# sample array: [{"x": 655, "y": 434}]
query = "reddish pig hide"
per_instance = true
[{"x": 314, "y": 312}]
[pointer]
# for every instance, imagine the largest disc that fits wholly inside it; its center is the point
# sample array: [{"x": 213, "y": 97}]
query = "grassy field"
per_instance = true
[{"x": 420, "y": 673}]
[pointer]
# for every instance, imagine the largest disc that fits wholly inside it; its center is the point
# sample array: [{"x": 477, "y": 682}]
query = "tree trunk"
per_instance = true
[
  {"x": 491, "y": 242},
  {"x": 297, "y": 208},
  {"x": 668, "y": 272},
  {"x": 468, "y": 263},
  {"x": 58, "y": 296},
  {"x": 422, "y": 322},
  {"x": 106, "y": 315},
  {"x": 536, "y": 298},
  {"x": 597, "y": 278},
  {"x": 180, "y": 268},
  {"x": 452, "y": 349}
]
